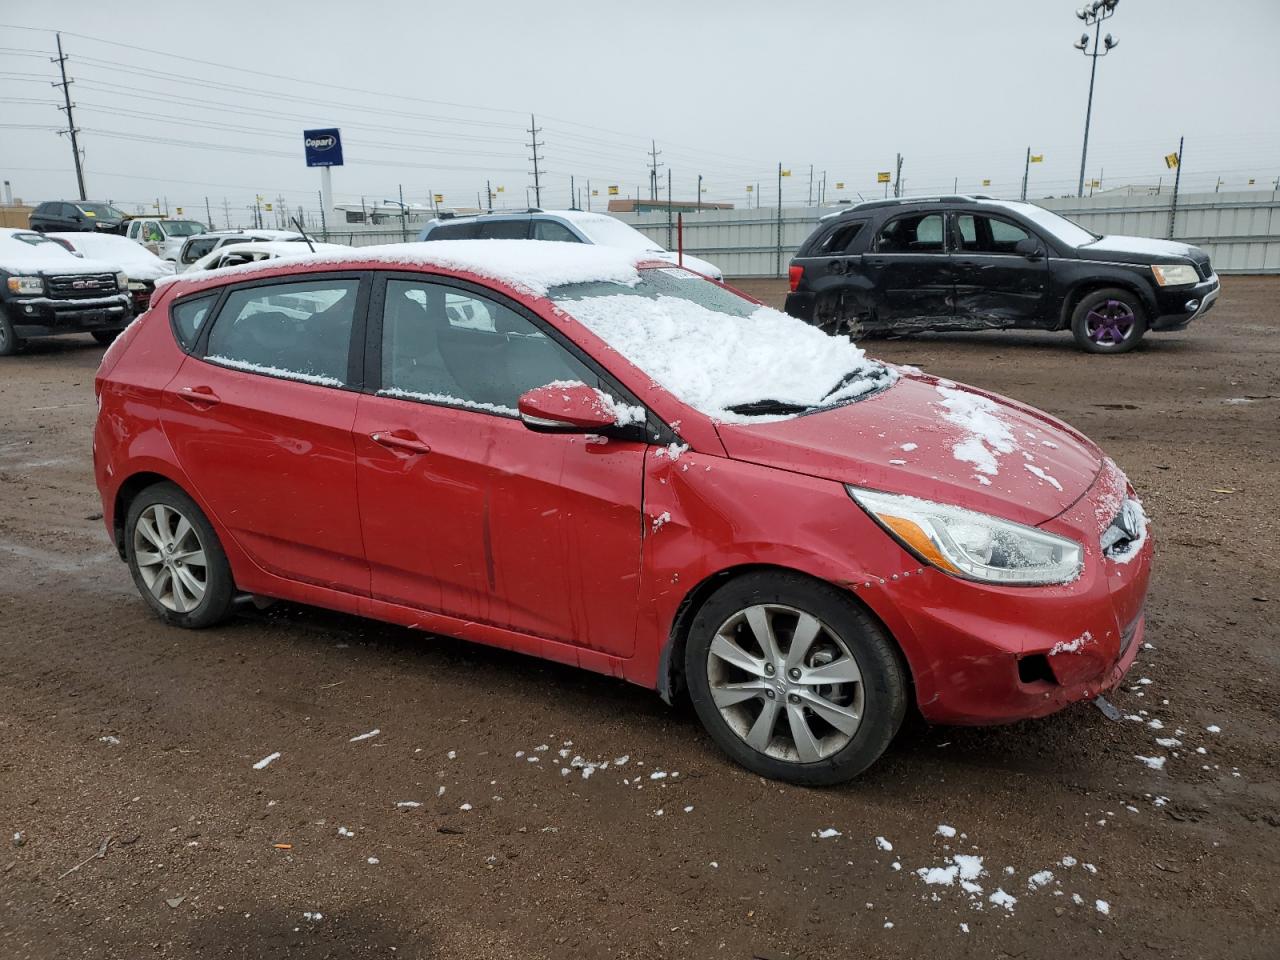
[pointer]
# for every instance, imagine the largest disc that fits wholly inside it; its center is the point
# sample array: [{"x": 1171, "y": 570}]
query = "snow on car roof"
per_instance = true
[
  {"x": 132, "y": 258},
  {"x": 533, "y": 266},
  {"x": 18, "y": 256}
]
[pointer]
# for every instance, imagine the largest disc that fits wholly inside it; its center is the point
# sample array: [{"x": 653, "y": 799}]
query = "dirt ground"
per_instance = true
[{"x": 452, "y": 833}]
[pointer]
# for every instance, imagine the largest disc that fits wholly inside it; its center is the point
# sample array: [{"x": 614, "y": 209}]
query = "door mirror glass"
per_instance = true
[{"x": 567, "y": 408}]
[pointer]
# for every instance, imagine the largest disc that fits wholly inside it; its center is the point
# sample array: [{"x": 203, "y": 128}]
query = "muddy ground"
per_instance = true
[{"x": 114, "y": 728}]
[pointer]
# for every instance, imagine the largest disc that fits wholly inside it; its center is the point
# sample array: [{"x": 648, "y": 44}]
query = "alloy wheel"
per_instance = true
[
  {"x": 785, "y": 683},
  {"x": 1110, "y": 323},
  {"x": 170, "y": 558}
]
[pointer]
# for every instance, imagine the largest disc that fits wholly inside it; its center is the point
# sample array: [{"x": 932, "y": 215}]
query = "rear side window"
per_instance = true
[
  {"x": 189, "y": 317},
  {"x": 297, "y": 331},
  {"x": 505, "y": 230},
  {"x": 468, "y": 230},
  {"x": 914, "y": 233},
  {"x": 550, "y": 230}
]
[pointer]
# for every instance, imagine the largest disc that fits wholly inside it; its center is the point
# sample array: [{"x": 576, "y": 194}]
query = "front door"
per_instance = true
[
  {"x": 909, "y": 269},
  {"x": 260, "y": 419},
  {"x": 465, "y": 511},
  {"x": 996, "y": 286}
]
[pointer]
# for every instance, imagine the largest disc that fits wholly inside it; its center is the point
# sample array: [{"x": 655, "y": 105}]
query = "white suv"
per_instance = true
[{"x": 162, "y": 236}]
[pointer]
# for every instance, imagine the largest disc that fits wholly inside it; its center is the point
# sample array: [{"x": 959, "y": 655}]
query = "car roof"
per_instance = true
[{"x": 957, "y": 199}]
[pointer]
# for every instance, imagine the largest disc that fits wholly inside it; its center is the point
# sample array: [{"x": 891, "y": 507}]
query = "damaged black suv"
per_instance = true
[{"x": 974, "y": 263}]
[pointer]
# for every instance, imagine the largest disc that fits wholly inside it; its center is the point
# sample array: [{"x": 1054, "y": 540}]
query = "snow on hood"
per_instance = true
[
  {"x": 132, "y": 258},
  {"x": 533, "y": 266},
  {"x": 918, "y": 438},
  {"x": 1148, "y": 246},
  {"x": 713, "y": 361}
]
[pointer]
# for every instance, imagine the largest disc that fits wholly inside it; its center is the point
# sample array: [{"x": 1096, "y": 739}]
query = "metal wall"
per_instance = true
[{"x": 1240, "y": 231}]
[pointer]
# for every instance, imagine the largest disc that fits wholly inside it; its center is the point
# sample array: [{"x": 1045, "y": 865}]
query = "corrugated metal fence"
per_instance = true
[{"x": 1240, "y": 231}]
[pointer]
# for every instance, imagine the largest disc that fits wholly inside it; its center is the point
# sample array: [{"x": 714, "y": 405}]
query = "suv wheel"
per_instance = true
[
  {"x": 9, "y": 341},
  {"x": 1108, "y": 321},
  {"x": 106, "y": 336},
  {"x": 793, "y": 680},
  {"x": 176, "y": 560}
]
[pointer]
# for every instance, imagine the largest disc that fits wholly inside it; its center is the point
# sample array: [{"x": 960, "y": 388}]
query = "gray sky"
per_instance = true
[{"x": 436, "y": 96}]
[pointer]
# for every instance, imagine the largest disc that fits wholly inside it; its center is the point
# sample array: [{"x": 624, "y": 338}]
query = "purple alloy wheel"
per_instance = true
[{"x": 1110, "y": 323}]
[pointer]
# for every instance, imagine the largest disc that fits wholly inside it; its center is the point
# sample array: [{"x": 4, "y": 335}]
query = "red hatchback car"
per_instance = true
[{"x": 621, "y": 465}]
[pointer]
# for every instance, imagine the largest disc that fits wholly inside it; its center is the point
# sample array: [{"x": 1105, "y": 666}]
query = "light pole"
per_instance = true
[{"x": 1093, "y": 15}]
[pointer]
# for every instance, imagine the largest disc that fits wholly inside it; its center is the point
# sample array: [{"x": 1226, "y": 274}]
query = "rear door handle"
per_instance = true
[
  {"x": 199, "y": 397},
  {"x": 406, "y": 444}
]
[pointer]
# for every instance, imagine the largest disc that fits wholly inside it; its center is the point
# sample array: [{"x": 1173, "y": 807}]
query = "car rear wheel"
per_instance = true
[
  {"x": 9, "y": 341},
  {"x": 176, "y": 560},
  {"x": 1108, "y": 321},
  {"x": 793, "y": 680}
]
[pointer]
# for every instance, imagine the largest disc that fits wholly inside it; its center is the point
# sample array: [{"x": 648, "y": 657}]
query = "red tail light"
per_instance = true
[{"x": 794, "y": 273}]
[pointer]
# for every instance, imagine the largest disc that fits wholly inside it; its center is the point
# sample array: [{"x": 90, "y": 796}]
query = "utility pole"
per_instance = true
[
  {"x": 573, "y": 194},
  {"x": 404, "y": 228},
  {"x": 670, "y": 224},
  {"x": 897, "y": 178},
  {"x": 1026, "y": 172},
  {"x": 654, "y": 153},
  {"x": 1177, "y": 179},
  {"x": 699, "y": 191},
  {"x": 208, "y": 215},
  {"x": 488, "y": 192},
  {"x": 588, "y": 194},
  {"x": 226, "y": 212},
  {"x": 1093, "y": 15},
  {"x": 71, "y": 130},
  {"x": 534, "y": 144},
  {"x": 778, "y": 270},
  {"x": 811, "y": 184}
]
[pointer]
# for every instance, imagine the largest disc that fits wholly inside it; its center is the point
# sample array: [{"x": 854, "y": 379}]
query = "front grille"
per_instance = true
[
  {"x": 1206, "y": 269},
  {"x": 82, "y": 285}
]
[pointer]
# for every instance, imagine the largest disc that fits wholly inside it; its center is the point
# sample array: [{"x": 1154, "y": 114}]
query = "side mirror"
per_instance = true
[
  {"x": 1030, "y": 247},
  {"x": 566, "y": 408}
]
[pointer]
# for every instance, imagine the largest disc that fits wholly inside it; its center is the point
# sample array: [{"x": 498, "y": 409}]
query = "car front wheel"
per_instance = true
[
  {"x": 105, "y": 336},
  {"x": 9, "y": 342},
  {"x": 176, "y": 560},
  {"x": 1108, "y": 321},
  {"x": 793, "y": 680}
]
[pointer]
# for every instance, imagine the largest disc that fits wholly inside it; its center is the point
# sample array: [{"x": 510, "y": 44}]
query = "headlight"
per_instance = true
[
  {"x": 26, "y": 285},
  {"x": 137, "y": 285},
  {"x": 122, "y": 281},
  {"x": 1173, "y": 274},
  {"x": 973, "y": 545}
]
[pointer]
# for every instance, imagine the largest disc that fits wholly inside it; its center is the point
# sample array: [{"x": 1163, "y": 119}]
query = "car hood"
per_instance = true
[
  {"x": 935, "y": 439},
  {"x": 1139, "y": 250}
]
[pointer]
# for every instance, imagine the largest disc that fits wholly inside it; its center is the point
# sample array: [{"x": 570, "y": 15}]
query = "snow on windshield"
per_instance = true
[
  {"x": 609, "y": 232},
  {"x": 718, "y": 352}
]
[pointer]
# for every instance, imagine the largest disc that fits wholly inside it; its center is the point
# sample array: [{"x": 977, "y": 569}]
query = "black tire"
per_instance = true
[
  {"x": 1120, "y": 300},
  {"x": 10, "y": 342},
  {"x": 219, "y": 590},
  {"x": 883, "y": 684},
  {"x": 105, "y": 337}
]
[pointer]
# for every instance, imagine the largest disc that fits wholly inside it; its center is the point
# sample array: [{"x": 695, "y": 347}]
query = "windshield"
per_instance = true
[
  {"x": 1059, "y": 227},
  {"x": 103, "y": 210},
  {"x": 35, "y": 239},
  {"x": 608, "y": 232},
  {"x": 718, "y": 352},
  {"x": 183, "y": 228}
]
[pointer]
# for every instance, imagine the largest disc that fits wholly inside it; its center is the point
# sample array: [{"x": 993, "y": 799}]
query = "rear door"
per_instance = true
[
  {"x": 909, "y": 271},
  {"x": 467, "y": 512},
  {"x": 260, "y": 418},
  {"x": 996, "y": 286}
]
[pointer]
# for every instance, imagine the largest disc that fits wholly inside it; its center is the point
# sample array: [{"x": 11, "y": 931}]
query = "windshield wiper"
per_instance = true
[
  {"x": 767, "y": 408},
  {"x": 862, "y": 373}
]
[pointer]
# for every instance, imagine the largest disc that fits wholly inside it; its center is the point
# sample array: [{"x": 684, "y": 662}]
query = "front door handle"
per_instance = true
[
  {"x": 202, "y": 398},
  {"x": 398, "y": 441}
]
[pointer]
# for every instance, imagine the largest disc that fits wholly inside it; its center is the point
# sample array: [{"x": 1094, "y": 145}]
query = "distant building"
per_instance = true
[{"x": 660, "y": 206}]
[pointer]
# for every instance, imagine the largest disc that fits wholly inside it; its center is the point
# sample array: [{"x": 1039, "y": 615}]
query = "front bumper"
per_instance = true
[
  {"x": 47, "y": 317},
  {"x": 1179, "y": 307}
]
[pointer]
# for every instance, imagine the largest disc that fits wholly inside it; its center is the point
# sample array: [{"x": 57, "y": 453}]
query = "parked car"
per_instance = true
[
  {"x": 205, "y": 243},
  {"x": 624, "y": 466},
  {"x": 567, "y": 226},
  {"x": 45, "y": 291},
  {"x": 141, "y": 266},
  {"x": 66, "y": 216},
  {"x": 162, "y": 236},
  {"x": 255, "y": 251},
  {"x": 973, "y": 263}
]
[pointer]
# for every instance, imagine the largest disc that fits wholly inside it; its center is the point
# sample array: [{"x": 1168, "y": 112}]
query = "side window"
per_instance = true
[
  {"x": 195, "y": 249},
  {"x": 840, "y": 238},
  {"x": 983, "y": 234},
  {"x": 70, "y": 211},
  {"x": 467, "y": 230},
  {"x": 133, "y": 230},
  {"x": 444, "y": 345},
  {"x": 504, "y": 230},
  {"x": 551, "y": 230},
  {"x": 189, "y": 317},
  {"x": 298, "y": 331},
  {"x": 914, "y": 233}
]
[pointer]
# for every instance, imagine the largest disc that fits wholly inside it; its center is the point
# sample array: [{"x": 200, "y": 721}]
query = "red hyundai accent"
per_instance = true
[{"x": 625, "y": 466}]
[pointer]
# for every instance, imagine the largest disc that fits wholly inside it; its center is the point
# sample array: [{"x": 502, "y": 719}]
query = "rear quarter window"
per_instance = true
[{"x": 188, "y": 317}]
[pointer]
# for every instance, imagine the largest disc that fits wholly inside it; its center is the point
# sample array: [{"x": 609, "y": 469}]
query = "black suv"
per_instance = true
[
  {"x": 73, "y": 216},
  {"x": 974, "y": 263}
]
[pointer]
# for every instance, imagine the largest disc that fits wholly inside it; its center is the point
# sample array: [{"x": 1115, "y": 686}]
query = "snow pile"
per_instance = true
[
  {"x": 533, "y": 267},
  {"x": 43, "y": 256},
  {"x": 714, "y": 361},
  {"x": 986, "y": 435}
]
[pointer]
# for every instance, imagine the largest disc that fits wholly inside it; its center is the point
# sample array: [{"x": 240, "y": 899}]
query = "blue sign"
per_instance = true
[{"x": 324, "y": 147}]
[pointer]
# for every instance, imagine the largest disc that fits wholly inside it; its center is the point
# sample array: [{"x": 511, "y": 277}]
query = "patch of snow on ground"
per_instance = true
[
  {"x": 1155, "y": 763},
  {"x": 945, "y": 831},
  {"x": 1002, "y": 899},
  {"x": 1040, "y": 879},
  {"x": 1102, "y": 907},
  {"x": 1213, "y": 728},
  {"x": 364, "y": 736},
  {"x": 272, "y": 758},
  {"x": 827, "y": 833},
  {"x": 883, "y": 844}
]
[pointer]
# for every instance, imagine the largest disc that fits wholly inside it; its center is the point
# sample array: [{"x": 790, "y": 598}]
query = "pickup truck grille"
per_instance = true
[{"x": 82, "y": 285}]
